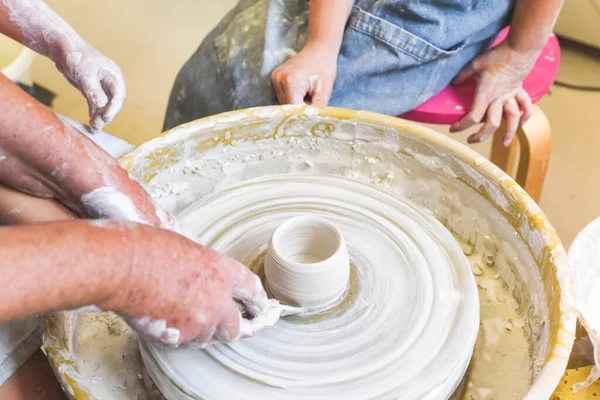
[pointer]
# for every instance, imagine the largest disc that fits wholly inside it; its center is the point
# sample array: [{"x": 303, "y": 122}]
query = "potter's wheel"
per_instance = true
[
  {"x": 405, "y": 328},
  {"x": 526, "y": 312}
]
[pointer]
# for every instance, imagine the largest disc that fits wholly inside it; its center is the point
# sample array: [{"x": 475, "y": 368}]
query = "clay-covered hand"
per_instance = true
[
  {"x": 500, "y": 74},
  {"x": 85, "y": 179},
  {"x": 42, "y": 156},
  {"x": 178, "y": 292},
  {"x": 98, "y": 78},
  {"x": 308, "y": 76}
]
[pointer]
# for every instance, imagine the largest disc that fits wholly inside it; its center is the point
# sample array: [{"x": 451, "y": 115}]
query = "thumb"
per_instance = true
[
  {"x": 294, "y": 95},
  {"x": 93, "y": 92},
  {"x": 464, "y": 74},
  {"x": 319, "y": 92},
  {"x": 288, "y": 88}
]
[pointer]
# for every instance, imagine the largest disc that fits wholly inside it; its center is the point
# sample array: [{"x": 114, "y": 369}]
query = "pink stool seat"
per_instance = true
[{"x": 452, "y": 103}]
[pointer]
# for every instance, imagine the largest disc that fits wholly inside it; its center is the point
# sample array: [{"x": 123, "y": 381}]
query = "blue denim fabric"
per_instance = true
[{"x": 395, "y": 54}]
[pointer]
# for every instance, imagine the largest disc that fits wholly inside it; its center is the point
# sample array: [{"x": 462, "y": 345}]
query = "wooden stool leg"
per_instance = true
[
  {"x": 500, "y": 154},
  {"x": 535, "y": 145},
  {"x": 535, "y": 138}
]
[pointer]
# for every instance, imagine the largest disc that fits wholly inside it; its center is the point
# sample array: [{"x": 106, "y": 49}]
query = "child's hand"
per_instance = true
[
  {"x": 500, "y": 73},
  {"x": 308, "y": 76}
]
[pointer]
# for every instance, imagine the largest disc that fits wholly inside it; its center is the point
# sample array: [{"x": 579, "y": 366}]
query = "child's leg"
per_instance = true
[
  {"x": 374, "y": 76},
  {"x": 395, "y": 54}
]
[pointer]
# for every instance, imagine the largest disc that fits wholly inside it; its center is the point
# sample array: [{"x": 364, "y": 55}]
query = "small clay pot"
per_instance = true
[{"x": 307, "y": 263}]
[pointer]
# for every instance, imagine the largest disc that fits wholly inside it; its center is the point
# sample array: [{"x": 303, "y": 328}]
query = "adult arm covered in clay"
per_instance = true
[
  {"x": 42, "y": 156},
  {"x": 500, "y": 71},
  {"x": 172, "y": 289},
  {"x": 181, "y": 292},
  {"x": 35, "y": 25}
]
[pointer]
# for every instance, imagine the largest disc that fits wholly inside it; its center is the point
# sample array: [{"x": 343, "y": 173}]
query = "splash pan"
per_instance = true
[{"x": 527, "y": 319}]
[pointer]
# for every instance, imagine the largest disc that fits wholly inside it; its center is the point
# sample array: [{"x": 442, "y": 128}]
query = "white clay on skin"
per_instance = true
[
  {"x": 92, "y": 73},
  {"x": 40, "y": 26},
  {"x": 106, "y": 202},
  {"x": 157, "y": 329}
]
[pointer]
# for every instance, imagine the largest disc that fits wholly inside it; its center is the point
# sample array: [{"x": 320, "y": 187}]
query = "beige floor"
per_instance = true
[{"x": 152, "y": 39}]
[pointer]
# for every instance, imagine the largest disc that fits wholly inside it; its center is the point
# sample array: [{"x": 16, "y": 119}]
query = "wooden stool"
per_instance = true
[{"x": 531, "y": 151}]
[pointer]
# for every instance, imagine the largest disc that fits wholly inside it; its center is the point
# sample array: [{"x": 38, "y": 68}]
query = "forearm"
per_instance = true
[
  {"x": 43, "y": 156},
  {"x": 97, "y": 77},
  {"x": 6, "y": 26},
  {"x": 36, "y": 134},
  {"x": 326, "y": 22},
  {"x": 59, "y": 266},
  {"x": 532, "y": 24},
  {"x": 35, "y": 25}
]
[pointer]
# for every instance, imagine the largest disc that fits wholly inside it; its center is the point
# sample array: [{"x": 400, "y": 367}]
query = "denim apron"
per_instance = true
[{"x": 395, "y": 54}]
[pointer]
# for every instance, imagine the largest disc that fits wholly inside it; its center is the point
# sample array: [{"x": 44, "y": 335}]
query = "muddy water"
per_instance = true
[{"x": 502, "y": 352}]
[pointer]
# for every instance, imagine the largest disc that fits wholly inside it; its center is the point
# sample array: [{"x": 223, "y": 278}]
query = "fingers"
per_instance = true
[
  {"x": 114, "y": 87},
  {"x": 293, "y": 88},
  {"x": 101, "y": 82},
  {"x": 93, "y": 92},
  {"x": 493, "y": 108},
  {"x": 525, "y": 104},
  {"x": 319, "y": 93},
  {"x": 287, "y": 89},
  {"x": 512, "y": 115},
  {"x": 228, "y": 329},
  {"x": 279, "y": 88},
  {"x": 156, "y": 329},
  {"x": 225, "y": 320},
  {"x": 499, "y": 108},
  {"x": 96, "y": 122},
  {"x": 493, "y": 120},
  {"x": 475, "y": 116},
  {"x": 261, "y": 322},
  {"x": 266, "y": 313},
  {"x": 249, "y": 290}
]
